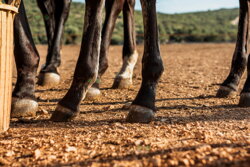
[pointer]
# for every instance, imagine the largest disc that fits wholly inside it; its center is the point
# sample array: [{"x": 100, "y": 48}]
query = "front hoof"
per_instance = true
[
  {"x": 63, "y": 114},
  {"x": 139, "y": 114},
  {"x": 47, "y": 79},
  {"x": 244, "y": 100},
  {"x": 225, "y": 92},
  {"x": 93, "y": 93},
  {"x": 122, "y": 83},
  {"x": 21, "y": 108}
]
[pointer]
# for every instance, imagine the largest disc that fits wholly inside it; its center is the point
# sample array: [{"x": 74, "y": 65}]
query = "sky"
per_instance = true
[{"x": 182, "y": 6}]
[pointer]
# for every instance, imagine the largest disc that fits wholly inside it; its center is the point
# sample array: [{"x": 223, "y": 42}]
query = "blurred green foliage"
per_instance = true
[{"x": 210, "y": 26}]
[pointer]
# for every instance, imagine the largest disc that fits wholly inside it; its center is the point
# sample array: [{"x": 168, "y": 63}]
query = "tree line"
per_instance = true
[{"x": 209, "y": 26}]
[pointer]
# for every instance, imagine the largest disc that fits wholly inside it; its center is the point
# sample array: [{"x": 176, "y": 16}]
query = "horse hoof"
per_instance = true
[
  {"x": 63, "y": 114},
  {"x": 225, "y": 92},
  {"x": 244, "y": 100},
  {"x": 122, "y": 83},
  {"x": 127, "y": 106},
  {"x": 93, "y": 93},
  {"x": 47, "y": 79},
  {"x": 21, "y": 108},
  {"x": 139, "y": 114}
]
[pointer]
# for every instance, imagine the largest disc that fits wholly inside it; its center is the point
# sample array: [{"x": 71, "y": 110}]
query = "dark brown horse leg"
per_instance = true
[
  {"x": 24, "y": 103},
  {"x": 143, "y": 108},
  {"x": 55, "y": 14},
  {"x": 245, "y": 94},
  {"x": 113, "y": 9},
  {"x": 87, "y": 65},
  {"x": 130, "y": 55},
  {"x": 239, "y": 62}
]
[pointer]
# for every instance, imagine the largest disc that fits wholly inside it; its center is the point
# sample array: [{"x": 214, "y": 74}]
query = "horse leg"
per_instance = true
[
  {"x": 143, "y": 108},
  {"x": 130, "y": 55},
  {"x": 24, "y": 103},
  {"x": 55, "y": 14},
  {"x": 245, "y": 93},
  {"x": 113, "y": 9},
  {"x": 87, "y": 65},
  {"x": 239, "y": 62}
]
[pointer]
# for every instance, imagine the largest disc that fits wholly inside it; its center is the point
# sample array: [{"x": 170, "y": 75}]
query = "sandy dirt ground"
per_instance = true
[{"x": 192, "y": 127}]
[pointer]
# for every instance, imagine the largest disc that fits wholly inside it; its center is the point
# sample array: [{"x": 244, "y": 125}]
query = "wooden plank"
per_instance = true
[
  {"x": 6, "y": 61},
  {"x": 3, "y": 125},
  {"x": 1, "y": 67}
]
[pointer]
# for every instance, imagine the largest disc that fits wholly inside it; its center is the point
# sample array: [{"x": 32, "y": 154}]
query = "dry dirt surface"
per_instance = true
[{"x": 192, "y": 126}]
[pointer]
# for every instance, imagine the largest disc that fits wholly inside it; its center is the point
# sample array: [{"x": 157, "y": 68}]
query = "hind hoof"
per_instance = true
[
  {"x": 63, "y": 114},
  {"x": 21, "y": 108},
  {"x": 93, "y": 93},
  {"x": 47, "y": 79},
  {"x": 139, "y": 114},
  {"x": 225, "y": 92},
  {"x": 122, "y": 83},
  {"x": 244, "y": 100}
]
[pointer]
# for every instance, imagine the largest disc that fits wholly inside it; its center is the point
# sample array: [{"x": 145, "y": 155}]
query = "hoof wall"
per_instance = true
[
  {"x": 93, "y": 93},
  {"x": 244, "y": 100},
  {"x": 127, "y": 106},
  {"x": 21, "y": 108},
  {"x": 47, "y": 79},
  {"x": 225, "y": 92},
  {"x": 122, "y": 83},
  {"x": 139, "y": 114},
  {"x": 62, "y": 114}
]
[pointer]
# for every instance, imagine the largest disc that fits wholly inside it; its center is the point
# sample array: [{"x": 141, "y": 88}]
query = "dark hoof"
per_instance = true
[
  {"x": 47, "y": 79},
  {"x": 127, "y": 106},
  {"x": 139, "y": 114},
  {"x": 122, "y": 83},
  {"x": 63, "y": 114},
  {"x": 244, "y": 100},
  {"x": 225, "y": 92},
  {"x": 21, "y": 108},
  {"x": 93, "y": 93}
]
